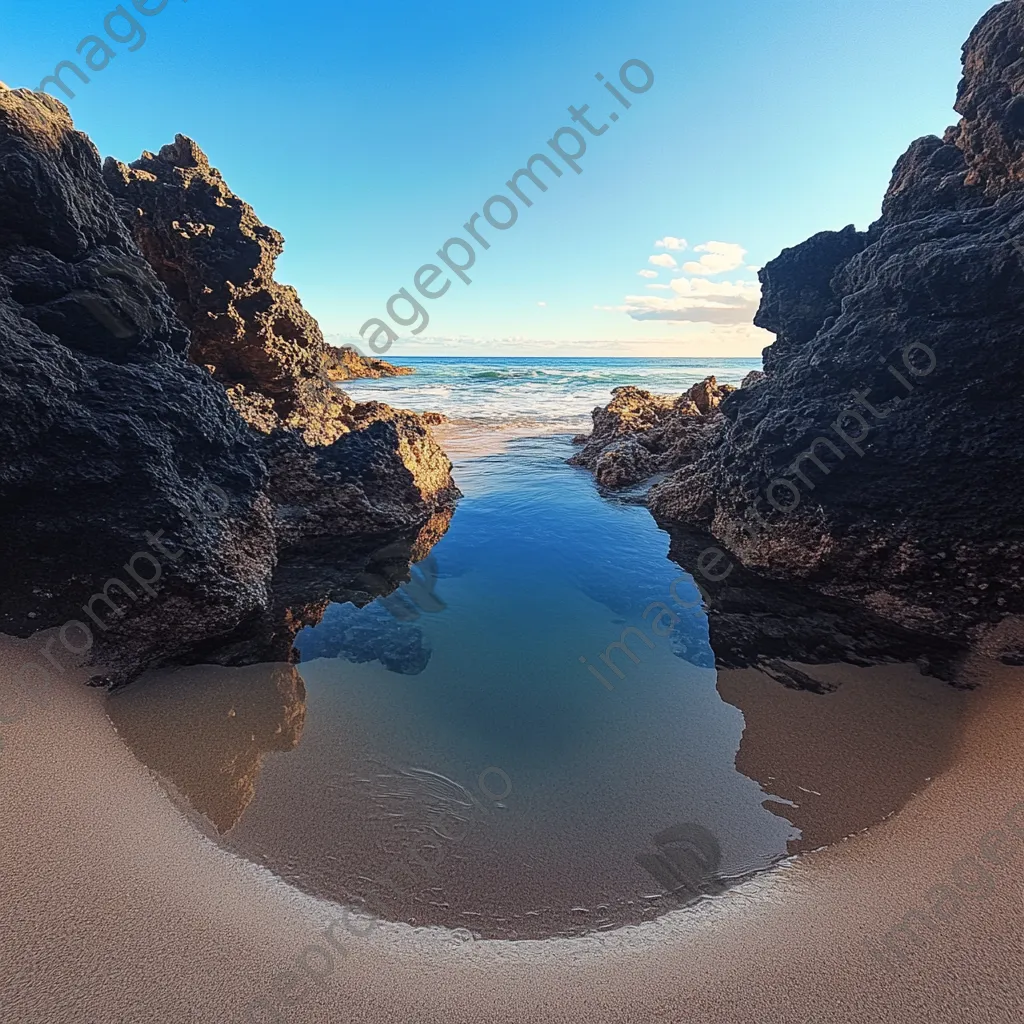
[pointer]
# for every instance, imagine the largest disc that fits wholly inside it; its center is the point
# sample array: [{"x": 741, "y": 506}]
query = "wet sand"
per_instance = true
[
  {"x": 462, "y": 439},
  {"x": 116, "y": 909}
]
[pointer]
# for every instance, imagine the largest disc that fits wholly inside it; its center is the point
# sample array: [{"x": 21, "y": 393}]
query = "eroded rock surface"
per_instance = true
[
  {"x": 639, "y": 434},
  {"x": 140, "y": 510},
  {"x": 881, "y": 457},
  {"x": 344, "y": 363},
  {"x": 111, "y": 442}
]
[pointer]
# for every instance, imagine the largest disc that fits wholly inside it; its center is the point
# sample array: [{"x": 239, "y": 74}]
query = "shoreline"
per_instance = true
[{"x": 156, "y": 902}]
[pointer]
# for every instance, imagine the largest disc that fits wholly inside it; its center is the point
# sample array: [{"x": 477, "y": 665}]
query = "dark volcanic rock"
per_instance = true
[
  {"x": 899, "y": 359},
  {"x": 108, "y": 435},
  {"x": 639, "y": 434},
  {"x": 386, "y": 476},
  {"x": 137, "y": 506}
]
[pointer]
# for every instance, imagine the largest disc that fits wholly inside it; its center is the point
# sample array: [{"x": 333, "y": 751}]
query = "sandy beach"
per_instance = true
[
  {"x": 644, "y": 646},
  {"x": 117, "y": 909}
]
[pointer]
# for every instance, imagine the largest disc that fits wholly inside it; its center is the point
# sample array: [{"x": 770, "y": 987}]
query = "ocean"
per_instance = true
[{"x": 535, "y": 393}]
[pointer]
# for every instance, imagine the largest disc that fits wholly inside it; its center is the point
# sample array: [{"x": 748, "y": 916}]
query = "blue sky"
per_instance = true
[{"x": 368, "y": 133}]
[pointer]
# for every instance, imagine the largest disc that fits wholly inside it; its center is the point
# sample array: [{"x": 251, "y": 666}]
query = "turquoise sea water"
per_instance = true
[{"x": 559, "y": 393}]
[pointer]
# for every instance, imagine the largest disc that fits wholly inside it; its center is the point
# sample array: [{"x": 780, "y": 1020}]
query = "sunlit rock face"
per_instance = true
[
  {"x": 639, "y": 434},
  {"x": 880, "y": 457},
  {"x": 991, "y": 100},
  {"x": 343, "y": 363},
  {"x": 140, "y": 510}
]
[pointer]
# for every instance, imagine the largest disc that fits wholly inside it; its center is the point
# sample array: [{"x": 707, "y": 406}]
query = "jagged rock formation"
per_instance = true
[
  {"x": 639, "y": 434},
  {"x": 881, "y": 457},
  {"x": 344, "y": 363},
  {"x": 107, "y": 433},
  {"x": 137, "y": 506},
  {"x": 217, "y": 260}
]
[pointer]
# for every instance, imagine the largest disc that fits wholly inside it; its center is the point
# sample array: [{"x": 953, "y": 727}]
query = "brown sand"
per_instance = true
[
  {"x": 463, "y": 440},
  {"x": 116, "y": 909}
]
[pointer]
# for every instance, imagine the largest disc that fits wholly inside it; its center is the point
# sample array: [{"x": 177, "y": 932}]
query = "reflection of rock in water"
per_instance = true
[
  {"x": 755, "y": 622},
  {"x": 855, "y": 729},
  {"x": 206, "y": 729},
  {"x": 317, "y": 576},
  {"x": 686, "y": 862},
  {"x": 838, "y": 762},
  {"x": 366, "y": 634}
]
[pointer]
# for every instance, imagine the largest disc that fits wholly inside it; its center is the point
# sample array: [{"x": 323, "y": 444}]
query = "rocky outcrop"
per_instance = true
[
  {"x": 387, "y": 471},
  {"x": 139, "y": 509},
  {"x": 638, "y": 434},
  {"x": 345, "y": 363},
  {"x": 880, "y": 458},
  {"x": 217, "y": 259},
  {"x": 124, "y": 471}
]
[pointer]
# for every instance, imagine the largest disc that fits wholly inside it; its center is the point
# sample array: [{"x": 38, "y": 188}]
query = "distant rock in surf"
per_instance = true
[
  {"x": 639, "y": 434},
  {"x": 344, "y": 363}
]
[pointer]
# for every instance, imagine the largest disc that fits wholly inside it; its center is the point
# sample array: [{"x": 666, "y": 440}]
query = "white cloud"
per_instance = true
[
  {"x": 698, "y": 301},
  {"x": 721, "y": 257},
  {"x": 648, "y": 273},
  {"x": 541, "y": 303},
  {"x": 671, "y": 242},
  {"x": 663, "y": 260}
]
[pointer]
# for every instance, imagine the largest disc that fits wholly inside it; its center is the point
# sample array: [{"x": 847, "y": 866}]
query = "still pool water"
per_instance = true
[
  {"x": 444, "y": 756},
  {"x": 483, "y": 778}
]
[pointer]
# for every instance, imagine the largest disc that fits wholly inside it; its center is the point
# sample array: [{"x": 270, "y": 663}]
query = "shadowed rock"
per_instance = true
[
  {"x": 108, "y": 437},
  {"x": 138, "y": 507},
  {"x": 769, "y": 624},
  {"x": 880, "y": 458}
]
